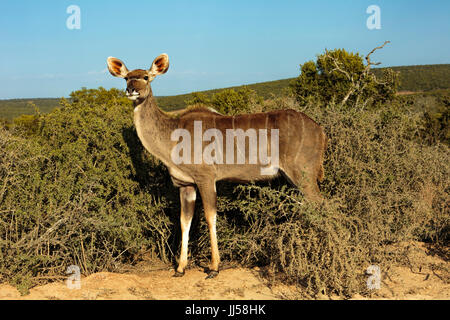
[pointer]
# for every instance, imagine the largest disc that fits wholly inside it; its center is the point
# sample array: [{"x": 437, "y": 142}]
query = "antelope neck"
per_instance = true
[{"x": 153, "y": 127}]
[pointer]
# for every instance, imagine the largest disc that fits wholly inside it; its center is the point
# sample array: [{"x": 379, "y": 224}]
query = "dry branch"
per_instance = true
[{"x": 359, "y": 84}]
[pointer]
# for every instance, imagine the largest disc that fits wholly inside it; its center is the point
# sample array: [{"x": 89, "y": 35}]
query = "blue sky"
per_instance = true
[{"x": 211, "y": 44}]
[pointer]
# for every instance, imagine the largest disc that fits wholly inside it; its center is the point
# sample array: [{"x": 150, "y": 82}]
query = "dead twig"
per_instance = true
[
  {"x": 359, "y": 84},
  {"x": 370, "y": 63}
]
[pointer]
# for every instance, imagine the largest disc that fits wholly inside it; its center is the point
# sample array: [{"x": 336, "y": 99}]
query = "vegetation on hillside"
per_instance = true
[
  {"x": 341, "y": 77},
  {"x": 422, "y": 78},
  {"x": 13, "y": 108},
  {"x": 228, "y": 101},
  {"x": 411, "y": 78},
  {"x": 77, "y": 188}
]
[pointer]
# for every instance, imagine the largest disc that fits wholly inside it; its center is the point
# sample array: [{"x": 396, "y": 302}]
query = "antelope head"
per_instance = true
[{"x": 138, "y": 80}]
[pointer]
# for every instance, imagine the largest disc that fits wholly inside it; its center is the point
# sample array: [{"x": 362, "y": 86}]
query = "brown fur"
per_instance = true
[
  {"x": 302, "y": 144},
  {"x": 138, "y": 74}
]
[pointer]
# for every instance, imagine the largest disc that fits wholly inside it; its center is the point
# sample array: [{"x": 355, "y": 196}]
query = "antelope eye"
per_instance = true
[{"x": 145, "y": 78}]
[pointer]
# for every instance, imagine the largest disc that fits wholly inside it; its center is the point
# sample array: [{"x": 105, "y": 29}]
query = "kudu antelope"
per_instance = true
[{"x": 300, "y": 143}]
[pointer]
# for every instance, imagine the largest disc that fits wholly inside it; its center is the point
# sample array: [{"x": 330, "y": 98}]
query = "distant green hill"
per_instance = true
[
  {"x": 12, "y": 108},
  {"x": 263, "y": 89},
  {"x": 412, "y": 78},
  {"x": 423, "y": 77}
]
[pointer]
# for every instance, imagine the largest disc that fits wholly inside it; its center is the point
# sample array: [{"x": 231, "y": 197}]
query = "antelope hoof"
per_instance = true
[
  {"x": 178, "y": 274},
  {"x": 212, "y": 274}
]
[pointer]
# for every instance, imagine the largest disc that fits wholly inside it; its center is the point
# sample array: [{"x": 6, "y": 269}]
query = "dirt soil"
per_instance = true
[{"x": 426, "y": 277}]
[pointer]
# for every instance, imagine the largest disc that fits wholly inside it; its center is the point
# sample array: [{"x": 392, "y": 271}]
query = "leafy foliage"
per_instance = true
[
  {"x": 434, "y": 108},
  {"x": 78, "y": 192},
  {"x": 228, "y": 101},
  {"x": 13, "y": 108},
  {"x": 422, "y": 77},
  {"x": 384, "y": 185},
  {"x": 342, "y": 77},
  {"x": 80, "y": 189},
  {"x": 411, "y": 78},
  {"x": 29, "y": 124}
]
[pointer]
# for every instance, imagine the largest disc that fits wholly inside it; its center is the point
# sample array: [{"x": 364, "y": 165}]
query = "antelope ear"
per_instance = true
[
  {"x": 116, "y": 67},
  {"x": 160, "y": 65}
]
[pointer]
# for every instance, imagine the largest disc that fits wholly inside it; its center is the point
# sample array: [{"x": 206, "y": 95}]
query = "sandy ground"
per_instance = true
[
  {"x": 231, "y": 284},
  {"x": 426, "y": 278}
]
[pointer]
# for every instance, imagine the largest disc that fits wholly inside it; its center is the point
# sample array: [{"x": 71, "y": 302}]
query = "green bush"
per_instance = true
[
  {"x": 434, "y": 109},
  {"x": 29, "y": 124},
  {"x": 82, "y": 190},
  {"x": 340, "y": 76},
  {"x": 383, "y": 187},
  {"x": 197, "y": 98},
  {"x": 228, "y": 101}
]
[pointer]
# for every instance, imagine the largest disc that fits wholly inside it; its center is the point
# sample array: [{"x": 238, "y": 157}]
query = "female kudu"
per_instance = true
[{"x": 297, "y": 144}]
